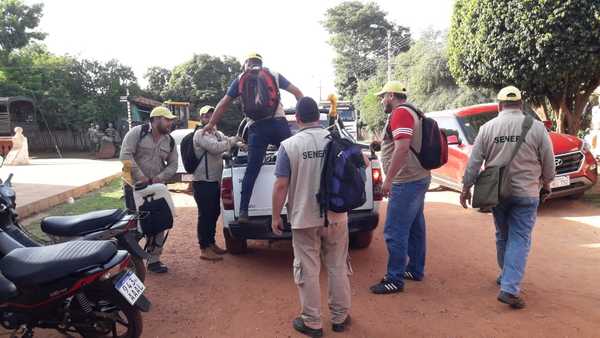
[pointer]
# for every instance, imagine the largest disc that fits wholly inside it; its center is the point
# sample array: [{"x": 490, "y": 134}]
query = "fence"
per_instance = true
[{"x": 67, "y": 140}]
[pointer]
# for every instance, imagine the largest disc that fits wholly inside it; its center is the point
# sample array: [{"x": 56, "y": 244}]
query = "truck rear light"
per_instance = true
[
  {"x": 377, "y": 184},
  {"x": 227, "y": 193}
]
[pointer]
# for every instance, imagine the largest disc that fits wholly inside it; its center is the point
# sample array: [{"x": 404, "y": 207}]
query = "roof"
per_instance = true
[
  {"x": 466, "y": 111},
  {"x": 10, "y": 99},
  {"x": 144, "y": 101}
]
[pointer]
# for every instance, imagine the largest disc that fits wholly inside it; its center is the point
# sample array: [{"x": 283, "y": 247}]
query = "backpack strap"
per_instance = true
[
  {"x": 145, "y": 131},
  {"x": 421, "y": 117},
  {"x": 203, "y": 155},
  {"x": 527, "y": 123}
]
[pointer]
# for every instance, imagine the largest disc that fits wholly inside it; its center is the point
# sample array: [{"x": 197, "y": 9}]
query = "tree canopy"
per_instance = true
[
  {"x": 424, "y": 70},
  {"x": 550, "y": 49},
  {"x": 204, "y": 80},
  {"x": 360, "y": 46},
  {"x": 17, "y": 24}
]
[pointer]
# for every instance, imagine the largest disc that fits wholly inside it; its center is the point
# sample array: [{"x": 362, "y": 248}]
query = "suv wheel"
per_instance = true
[
  {"x": 235, "y": 246},
  {"x": 361, "y": 240}
]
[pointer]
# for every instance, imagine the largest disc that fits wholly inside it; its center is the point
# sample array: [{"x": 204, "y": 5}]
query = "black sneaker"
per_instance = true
[
  {"x": 302, "y": 328},
  {"x": 411, "y": 276},
  {"x": 243, "y": 218},
  {"x": 158, "y": 267},
  {"x": 386, "y": 286},
  {"x": 342, "y": 326},
  {"x": 515, "y": 302}
]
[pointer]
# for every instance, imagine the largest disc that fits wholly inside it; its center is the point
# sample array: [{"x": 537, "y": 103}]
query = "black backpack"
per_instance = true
[
  {"x": 343, "y": 177},
  {"x": 188, "y": 154},
  {"x": 146, "y": 131},
  {"x": 259, "y": 93},
  {"x": 434, "y": 143}
]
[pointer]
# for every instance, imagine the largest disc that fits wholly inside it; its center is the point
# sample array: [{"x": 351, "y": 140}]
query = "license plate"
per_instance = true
[
  {"x": 187, "y": 178},
  {"x": 130, "y": 287},
  {"x": 560, "y": 181}
]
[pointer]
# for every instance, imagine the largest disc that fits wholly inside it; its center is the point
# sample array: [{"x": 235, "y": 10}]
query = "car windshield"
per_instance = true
[
  {"x": 294, "y": 126},
  {"x": 472, "y": 123},
  {"x": 347, "y": 114}
]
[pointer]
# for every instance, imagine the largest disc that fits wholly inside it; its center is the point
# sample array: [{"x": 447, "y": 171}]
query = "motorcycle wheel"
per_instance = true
[
  {"x": 137, "y": 265},
  {"x": 125, "y": 322}
]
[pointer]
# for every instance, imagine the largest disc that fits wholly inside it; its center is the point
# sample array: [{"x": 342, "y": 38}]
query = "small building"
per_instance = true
[
  {"x": 17, "y": 111},
  {"x": 141, "y": 108}
]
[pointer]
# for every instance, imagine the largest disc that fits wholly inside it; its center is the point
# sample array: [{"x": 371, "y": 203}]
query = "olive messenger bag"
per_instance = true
[{"x": 492, "y": 185}]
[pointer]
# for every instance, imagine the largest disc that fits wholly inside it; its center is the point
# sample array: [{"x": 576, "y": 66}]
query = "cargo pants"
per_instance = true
[{"x": 330, "y": 245}]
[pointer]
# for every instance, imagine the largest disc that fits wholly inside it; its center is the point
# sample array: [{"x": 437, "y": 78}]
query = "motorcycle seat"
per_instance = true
[
  {"x": 34, "y": 266},
  {"x": 80, "y": 225}
]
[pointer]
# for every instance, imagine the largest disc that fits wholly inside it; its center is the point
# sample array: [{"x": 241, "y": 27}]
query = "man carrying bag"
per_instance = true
[{"x": 519, "y": 160}]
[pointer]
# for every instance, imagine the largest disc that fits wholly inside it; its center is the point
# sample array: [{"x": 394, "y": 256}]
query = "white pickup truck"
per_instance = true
[{"x": 361, "y": 221}]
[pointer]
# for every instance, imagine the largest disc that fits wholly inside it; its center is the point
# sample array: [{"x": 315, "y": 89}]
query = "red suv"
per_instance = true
[{"x": 576, "y": 168}]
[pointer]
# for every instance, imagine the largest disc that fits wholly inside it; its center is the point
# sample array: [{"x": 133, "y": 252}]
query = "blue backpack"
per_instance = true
[{"x": 342, "y": 178}]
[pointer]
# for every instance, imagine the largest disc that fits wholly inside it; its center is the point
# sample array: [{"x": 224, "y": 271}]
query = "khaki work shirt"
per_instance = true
[{"x": 149, "y": 159}]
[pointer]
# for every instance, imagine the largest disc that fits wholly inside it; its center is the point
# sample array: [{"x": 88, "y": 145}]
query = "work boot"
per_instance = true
[
  {"x": 243, "y": 218},
  {"x": 209, "y": 255},
  {"x": 341, "y": 327},
  {"x": 216, "y": 249},
  {"x": 302, "y": 328},
  {"x": 515, "y": 302},
  {"x": 158, "y": 267}
]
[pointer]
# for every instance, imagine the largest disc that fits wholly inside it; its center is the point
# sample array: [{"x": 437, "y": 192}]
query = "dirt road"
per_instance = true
[{"x": 254, "y": 296}]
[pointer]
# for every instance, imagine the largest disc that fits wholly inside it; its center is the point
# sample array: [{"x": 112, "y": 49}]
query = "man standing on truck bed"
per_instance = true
[
  {"x": 153, "y": 157},
  {"x": 258, "y": 88},
  {"x": 300, "y": 159}
]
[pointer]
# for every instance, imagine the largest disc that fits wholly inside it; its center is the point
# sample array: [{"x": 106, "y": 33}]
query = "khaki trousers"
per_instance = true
[{"x": 329, "y": 244}]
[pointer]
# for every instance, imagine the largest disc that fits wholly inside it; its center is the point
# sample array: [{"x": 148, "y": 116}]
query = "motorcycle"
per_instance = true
[
  {"x": 116, "y": 225},
  {"x": 79, "y": 287}
]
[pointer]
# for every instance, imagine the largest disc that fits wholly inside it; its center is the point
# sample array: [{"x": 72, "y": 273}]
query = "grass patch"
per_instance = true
[{"x": 108, "y": 197}]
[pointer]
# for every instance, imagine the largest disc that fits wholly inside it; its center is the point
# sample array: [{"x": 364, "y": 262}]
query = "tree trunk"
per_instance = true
[{"x": 557, "y": 102}]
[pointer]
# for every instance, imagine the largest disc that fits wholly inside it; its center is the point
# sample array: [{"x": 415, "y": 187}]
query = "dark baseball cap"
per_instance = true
[{"x": 307, "y": 110}]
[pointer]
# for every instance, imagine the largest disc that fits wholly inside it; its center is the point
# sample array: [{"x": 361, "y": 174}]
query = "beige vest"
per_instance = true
[{"x": 306, "y": 151}]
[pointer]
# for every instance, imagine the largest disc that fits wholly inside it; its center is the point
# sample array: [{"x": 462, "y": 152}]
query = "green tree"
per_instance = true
[
  {"x": 550, "y": 49},
  {"x": 204, "y": 80},
  {"x": 70, "y": 93},
  {"x": 17, "y": 22},
  {"x": 158, "y": 79},
  {"x": 424, "y": 70},
  {"x": 359, "y": 47}
]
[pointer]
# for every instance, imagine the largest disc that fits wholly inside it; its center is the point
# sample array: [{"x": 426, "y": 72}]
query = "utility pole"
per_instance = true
[
  {"x": 128, "y": 109},
  {"x": 389, "y": 48},
  {"x": 125, "y": 99},
  {"x": 389, "y": 54}
]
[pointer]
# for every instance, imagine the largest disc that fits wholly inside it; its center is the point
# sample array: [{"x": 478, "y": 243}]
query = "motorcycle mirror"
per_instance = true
[{"x": 375, "y": 146}]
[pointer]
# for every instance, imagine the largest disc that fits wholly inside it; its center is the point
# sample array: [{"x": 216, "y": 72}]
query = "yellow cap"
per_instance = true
[
  {"x": 510, "y": 93},
  {"x": 392, "y": 87},
  {"x": 254, "y": 55},
  {"x": 205, "y": 110},
  {"x": 162, "y": 112}
]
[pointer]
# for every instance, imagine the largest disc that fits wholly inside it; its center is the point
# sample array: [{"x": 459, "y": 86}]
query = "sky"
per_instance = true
[{"x": 145, "y": 33}]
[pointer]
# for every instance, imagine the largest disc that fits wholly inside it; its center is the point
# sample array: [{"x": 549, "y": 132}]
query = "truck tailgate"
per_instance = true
[{"x": 261, "y": 201}]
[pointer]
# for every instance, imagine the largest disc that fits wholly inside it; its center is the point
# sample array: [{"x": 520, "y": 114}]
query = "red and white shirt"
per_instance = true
[{"x": 401, "y": 124}]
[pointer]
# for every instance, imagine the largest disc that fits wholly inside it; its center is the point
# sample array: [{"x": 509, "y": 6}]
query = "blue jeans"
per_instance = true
[
  {"x": 404, "y": 230},
  {"x": 260, "y": 134},
  {"x": 514, "y": 218}
]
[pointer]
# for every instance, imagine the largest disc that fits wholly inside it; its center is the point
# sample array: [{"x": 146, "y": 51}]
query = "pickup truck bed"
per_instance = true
[{"x": 361, "y": 221}]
